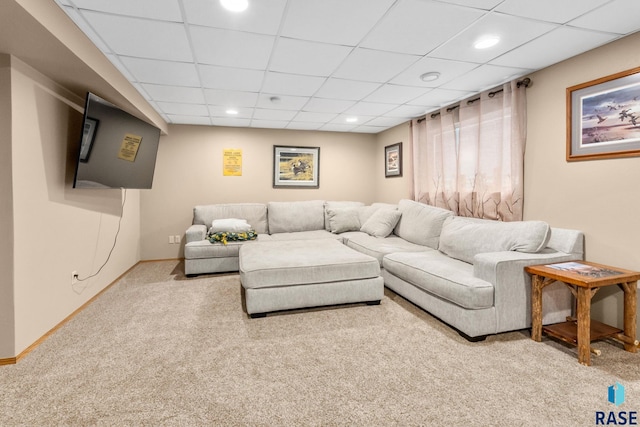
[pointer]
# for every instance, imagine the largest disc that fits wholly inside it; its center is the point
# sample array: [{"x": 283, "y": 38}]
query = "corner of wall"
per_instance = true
[{"x": 7, "y": 318}]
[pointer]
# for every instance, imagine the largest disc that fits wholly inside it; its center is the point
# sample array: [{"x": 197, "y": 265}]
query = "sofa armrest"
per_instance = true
[
  {"x": 512, "y": 286},
  {"x": 196, "y": 232}
]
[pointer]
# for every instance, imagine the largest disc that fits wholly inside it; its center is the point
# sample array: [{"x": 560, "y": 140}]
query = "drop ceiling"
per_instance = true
[{"x": 335, "y": 65}]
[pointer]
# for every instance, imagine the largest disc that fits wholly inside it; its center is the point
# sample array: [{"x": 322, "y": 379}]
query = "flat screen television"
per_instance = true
[{"x": 117, "y": 150}]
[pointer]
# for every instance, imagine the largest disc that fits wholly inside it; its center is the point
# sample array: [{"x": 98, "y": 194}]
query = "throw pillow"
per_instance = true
[
  {"x": 233, "y": 225},
  {"x": 381, "y": 223},
  {"x": 420, "y": 223},
  {"x": 343, "y": 219}
]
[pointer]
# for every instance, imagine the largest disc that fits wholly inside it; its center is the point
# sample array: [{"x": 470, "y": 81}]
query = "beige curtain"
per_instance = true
[{"x": 471, "y": 159}]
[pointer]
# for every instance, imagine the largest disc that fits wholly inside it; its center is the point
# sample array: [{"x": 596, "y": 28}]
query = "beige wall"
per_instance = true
[
  {"x": 57, "y": 229},
  {"x": 7, "y": 337},
  {"x": 600, "y": 197},
  {"x": 189, "y": 172}
]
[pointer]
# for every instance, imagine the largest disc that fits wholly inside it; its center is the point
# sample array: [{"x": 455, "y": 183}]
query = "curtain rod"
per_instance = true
[{"x": 526, "y": 82}]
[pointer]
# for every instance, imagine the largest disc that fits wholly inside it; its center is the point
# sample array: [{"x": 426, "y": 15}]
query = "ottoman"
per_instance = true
[{"x": 283, "y": 275}]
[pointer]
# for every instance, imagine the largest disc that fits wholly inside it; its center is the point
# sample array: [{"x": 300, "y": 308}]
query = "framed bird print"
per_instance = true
[
  {"x": 296, "y": 167},
  {"x": 603, "y": 117}
]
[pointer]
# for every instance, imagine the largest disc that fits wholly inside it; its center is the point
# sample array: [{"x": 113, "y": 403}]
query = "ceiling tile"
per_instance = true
[
  {"x": 231, "y": 48},
  {"x": 282, "y": 102},
  {"x": 220, "y": 111},
  {"x": 485, "y": 77},
  {"x": 619, "y": 16},
  {"x": 369, "y": 109},
  {"x": 347, "y": 119},
  {"x": 162, "y": 72},
  {"x": 304, "y": 125},
  {"x": 406, "y": 111},
  {"x": 337, "y": 127},
  {"x": 224, "y": 121},
  {"x": 448, "y": 70},
  {"x": 395, "y": 94},
  {"x": 163, "y": 10},
  {"x": 269, "y": 124},
  {"x": 292, "y": 84},
  {"x": 261, "y": 17},
  {"x": 115, "y": 60},
  {"x": 418, "y": 26},
  {"x": 309, "y": 58},
  {"x": 169, "y": 41},
  {"x": 386, "y": 122},
  {"x": 230, "y": 98},
  {"x": 188, "y": 95},
  {"x": 553, "y": 47},
  {"x": 189, "y": 120},
  {"x": 549, "y": 10},
  {"x": 368, "y": 129},
  {"x": 322, "y": 105},
  {"x": 215, "y": 77},
  {"x": 333, "y": 21},
  {"x": 513, "y": 31},
  {"x": 346, "y": 89},
  {"x": 305, "y": 64},
  {"x": 307, "y": 116},
  {"x": 373, "y": 65},
  {"x": 439, "y": 97},
  {"x": 269, "y": 114},
  {"x": 86, "y": 28},
  {"x": 171, "y": 108}
]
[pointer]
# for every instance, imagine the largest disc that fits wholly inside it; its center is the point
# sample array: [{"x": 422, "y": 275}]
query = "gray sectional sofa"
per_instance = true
[{"x": 467, "y": 272}]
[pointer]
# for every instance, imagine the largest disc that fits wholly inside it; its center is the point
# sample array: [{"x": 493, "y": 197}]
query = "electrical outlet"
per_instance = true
[
  {"x": 74, "y": 277},
  {"x": 177, "y": 240},
  {"x": 171, "y": 240}
]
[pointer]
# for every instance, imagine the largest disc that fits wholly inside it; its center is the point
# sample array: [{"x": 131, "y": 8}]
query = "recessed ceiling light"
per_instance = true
[
  {"x": 235, "y": 5},
  {"x": 231, "y": 112},
  {"x": 351, "y": 119},
  {"x": 430, "y": 76},
  {"x": 486, "y": 42}
]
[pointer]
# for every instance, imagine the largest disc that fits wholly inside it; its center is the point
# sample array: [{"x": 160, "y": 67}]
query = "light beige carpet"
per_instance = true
[{"x": 159, "y": 349}]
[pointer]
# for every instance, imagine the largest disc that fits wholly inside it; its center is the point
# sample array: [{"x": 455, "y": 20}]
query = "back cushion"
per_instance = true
[
  {"x": 289, "y": 217},
  {"x": 339, "y": 204},
  {"x": 420, "y": 224},
  {"x": 463, "y": 238},
  {"x": 254, "y": 213}
]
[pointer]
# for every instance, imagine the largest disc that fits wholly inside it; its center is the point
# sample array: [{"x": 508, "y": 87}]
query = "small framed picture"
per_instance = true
[
  {"x": 296, "y": 167},
  {"x": 603, "y": 117},
  {"x": 393, "y": 160},
  {"x": 88, "y": 136}
]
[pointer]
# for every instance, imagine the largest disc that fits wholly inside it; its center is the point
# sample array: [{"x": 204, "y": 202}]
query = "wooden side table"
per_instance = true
[{"x": 584, "y": 279}]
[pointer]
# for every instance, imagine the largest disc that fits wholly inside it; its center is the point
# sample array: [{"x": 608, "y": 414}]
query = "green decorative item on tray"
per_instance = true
[{"x": 229, "y": 236}]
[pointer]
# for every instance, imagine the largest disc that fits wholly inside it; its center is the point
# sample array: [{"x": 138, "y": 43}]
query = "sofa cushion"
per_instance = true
[
  {"x": 381, "y": 223},
  {"x": 420, "y": 224},
  {"x": 337, "y": 204},
  {"x": 442, "y": 276},
  {"x": 299, "y": 262},
  {"x": 343, "y": 219},
  {"x": 254, "y": 213},
  {"x": 287, "y": 217},
  {"x": 463, "y": 238},
  {"x": 304, "y": 235},
  {"x": 378, "y": 248},
  {"x": 205, "y": 249}
]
